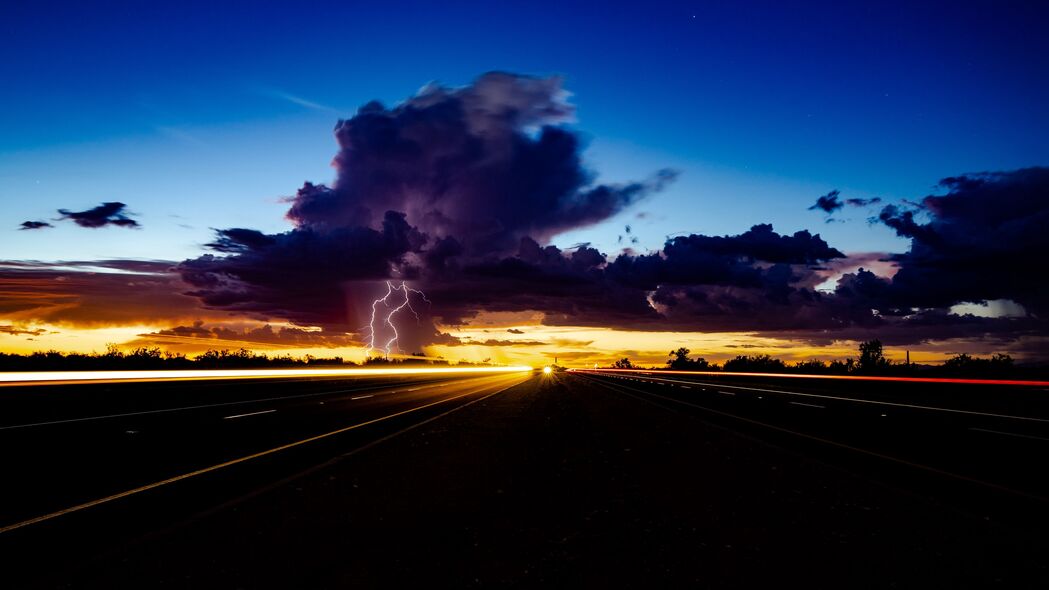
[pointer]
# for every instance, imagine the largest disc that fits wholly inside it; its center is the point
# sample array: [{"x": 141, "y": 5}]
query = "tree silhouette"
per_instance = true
[
  {"x": 872, "y": 356},
  {"x": 680, "y": 361}
]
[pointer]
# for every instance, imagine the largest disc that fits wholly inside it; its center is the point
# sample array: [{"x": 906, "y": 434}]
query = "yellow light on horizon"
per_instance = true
[{"x": 547, "y": 370}]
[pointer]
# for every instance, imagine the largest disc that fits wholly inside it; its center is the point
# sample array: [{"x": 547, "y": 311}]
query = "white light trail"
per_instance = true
[{"x": 58, "y": 377}]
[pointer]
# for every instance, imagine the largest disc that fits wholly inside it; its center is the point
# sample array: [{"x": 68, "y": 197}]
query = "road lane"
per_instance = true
[
  {"x": 690, "y": 384},
  {"x": 988, "y": 449},
  {"x": 62, "y": 465}
]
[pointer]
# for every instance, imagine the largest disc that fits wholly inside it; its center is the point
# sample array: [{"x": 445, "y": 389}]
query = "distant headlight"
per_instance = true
[{"x": 547, "y": 370}]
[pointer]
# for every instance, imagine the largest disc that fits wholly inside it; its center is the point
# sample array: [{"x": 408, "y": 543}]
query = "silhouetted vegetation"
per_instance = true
[
  {"x": 680, "y": 361},
  {"x": 762, "y": 363},
  {"x": 871, "y": 361},
  {"x": 155, "y": 358},
  {"x": 872, "y": 357}
]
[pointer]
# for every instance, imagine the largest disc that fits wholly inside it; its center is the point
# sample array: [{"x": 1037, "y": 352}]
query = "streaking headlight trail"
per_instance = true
[{"x": 60, "y": 377}]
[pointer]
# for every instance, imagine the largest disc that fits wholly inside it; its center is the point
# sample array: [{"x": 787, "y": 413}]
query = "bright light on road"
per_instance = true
[{"x": 52, "y": 377}]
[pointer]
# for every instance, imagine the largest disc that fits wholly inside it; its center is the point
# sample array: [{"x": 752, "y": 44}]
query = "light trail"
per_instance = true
[
  {"x": 843, "y": 377},
  {"x": 73, "y": 377},
  {"x": 388, "y": 320}
]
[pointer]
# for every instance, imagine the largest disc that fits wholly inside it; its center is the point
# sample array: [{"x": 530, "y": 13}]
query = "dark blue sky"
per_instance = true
[{"x": 758, "y": 101}]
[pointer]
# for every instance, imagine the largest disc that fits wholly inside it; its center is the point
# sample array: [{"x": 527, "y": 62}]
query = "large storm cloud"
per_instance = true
[
  {"x": 458, "y": 191},
  {"x": 448, "y": 178}
]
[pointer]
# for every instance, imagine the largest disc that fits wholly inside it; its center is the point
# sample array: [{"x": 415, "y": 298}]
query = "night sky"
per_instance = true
[{"x": 561, "y": 179}]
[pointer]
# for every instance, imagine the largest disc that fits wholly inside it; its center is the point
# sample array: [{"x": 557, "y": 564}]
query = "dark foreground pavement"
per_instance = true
[{"x": 559, "y": 482}]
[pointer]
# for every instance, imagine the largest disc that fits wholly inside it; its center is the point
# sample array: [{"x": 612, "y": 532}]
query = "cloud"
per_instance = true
[
  {"x": 486, "y": 164},
  {"x": 94, "y": 294},
  {"x": 497, "y": 342},
  {"x": 249, "y": 336},
  {"x": 515, "y": 331},
  {"x": 458, "y": 192},
  {"x": 452, "y": 180},
  {"x": 17, "y": 331},
  {"x": 109, "y": 213},
  {"x": 984, "y": 239},
  {"x": 34, "y": 225},
  {"x": 828, "y": 203},
  {"x": 856, "y": 202}
]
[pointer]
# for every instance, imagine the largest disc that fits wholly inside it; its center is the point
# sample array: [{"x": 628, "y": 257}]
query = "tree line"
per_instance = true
[
  {"x": 871, "y": 360},
  {"x": 155, "y": 358}
]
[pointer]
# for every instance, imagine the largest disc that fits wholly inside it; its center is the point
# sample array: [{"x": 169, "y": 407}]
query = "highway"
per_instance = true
[
  {"x": 72, "y": 447},
  {"x": 585, "y": 478},
  {"x": 970, "y": 438}
]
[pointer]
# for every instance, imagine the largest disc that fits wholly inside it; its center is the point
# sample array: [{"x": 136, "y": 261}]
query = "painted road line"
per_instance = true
[
  {"x": 235, "y": 416},
  {"x": 1016, "y": 434}
]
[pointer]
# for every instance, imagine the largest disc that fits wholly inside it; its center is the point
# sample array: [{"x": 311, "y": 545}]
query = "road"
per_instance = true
[
  {"x": 973, "y": 437},
  {"x": 581, "y": 479},
  {"x": 75, "y": 448}
]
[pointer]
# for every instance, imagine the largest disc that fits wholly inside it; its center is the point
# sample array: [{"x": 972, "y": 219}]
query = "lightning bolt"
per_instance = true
[{"x": 392, "y": 310}]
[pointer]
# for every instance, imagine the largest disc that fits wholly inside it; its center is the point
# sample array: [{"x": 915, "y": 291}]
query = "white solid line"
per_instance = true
[
  {"x": 808, "y": 405},
  {"x": 362, "y": 397},
  {"x": 1016, "y": 434},
  {"x": 726, "y": 392},
  {"x": 251, "y": 414}
]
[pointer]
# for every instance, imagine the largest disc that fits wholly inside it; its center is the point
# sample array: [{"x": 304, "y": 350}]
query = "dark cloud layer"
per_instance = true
[
  {"x": 457, "y": 191},
  {"x": 110, "y": 213}
]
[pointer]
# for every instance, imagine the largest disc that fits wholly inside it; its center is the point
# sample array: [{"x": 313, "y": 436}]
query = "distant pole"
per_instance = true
[
  {"x": 555, "y": 360},
  {"x": 908, "y": 357}
]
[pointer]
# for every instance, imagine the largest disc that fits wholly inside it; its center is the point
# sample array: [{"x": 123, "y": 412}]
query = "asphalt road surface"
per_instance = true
[
  {"x": 968, "y": 437},
  {"x": 571, "y": 479}
]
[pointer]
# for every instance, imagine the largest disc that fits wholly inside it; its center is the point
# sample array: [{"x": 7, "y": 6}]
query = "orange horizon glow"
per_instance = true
[
  {"x": 845, "y": 377},
  {"x": 73, "y": 377}
]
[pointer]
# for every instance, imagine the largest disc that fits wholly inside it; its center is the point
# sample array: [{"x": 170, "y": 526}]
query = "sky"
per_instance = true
[{"x": 676, "y": 119}]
